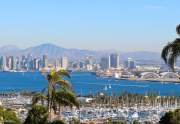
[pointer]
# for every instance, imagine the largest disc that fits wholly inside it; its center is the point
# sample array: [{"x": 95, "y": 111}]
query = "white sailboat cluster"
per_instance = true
[{"x": 107, "y": 87}]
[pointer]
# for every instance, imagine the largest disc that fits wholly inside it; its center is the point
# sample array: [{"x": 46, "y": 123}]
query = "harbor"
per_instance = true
[
  {"x": 85, "y": 83},
  {"x": 126, "y": 108},
  {"x": 101, "y": 99}
]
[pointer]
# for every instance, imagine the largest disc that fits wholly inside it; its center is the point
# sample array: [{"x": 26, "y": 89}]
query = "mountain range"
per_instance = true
[{"x": 54, "y": 51}]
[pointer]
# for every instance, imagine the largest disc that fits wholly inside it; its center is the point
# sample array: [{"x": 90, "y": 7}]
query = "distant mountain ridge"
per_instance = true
[
  {"x": 8, "y": 49},
  {"x": 54, "y": 51}
]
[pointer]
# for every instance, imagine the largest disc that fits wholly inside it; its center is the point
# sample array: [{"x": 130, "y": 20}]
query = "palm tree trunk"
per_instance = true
[
  {"x": 49, "y": 102},
  {"x": 59, "y": 110}
]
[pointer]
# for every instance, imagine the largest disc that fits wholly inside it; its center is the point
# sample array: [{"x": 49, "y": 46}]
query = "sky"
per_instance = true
[{"x": 123, "y": 25}]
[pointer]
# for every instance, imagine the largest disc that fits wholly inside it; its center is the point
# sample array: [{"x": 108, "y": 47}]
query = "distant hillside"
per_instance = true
[
  {"x": 143, "y": 57},
  {"x": 51, "y": 50},
  {"x": 9, "y": 50},
  {"x": 54, "y": 51}
]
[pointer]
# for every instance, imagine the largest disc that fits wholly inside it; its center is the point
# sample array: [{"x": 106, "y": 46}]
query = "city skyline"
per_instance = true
[
  {"x": 92, "y": 25},
  {"x": 29, "y": 63}
]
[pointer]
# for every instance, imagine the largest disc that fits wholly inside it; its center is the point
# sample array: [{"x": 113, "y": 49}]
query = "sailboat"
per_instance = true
[
  {"x": 109, "y": 86},
  {"x": 105, "y": 88}
]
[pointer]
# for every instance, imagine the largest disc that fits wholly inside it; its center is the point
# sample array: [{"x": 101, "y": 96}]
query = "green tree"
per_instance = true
[
  {"x": 65, "y": 97},
  {"x": 171, "y": 51},
  {"x": 136, "y": 122},
  {"x": 59, "y": 92},
  {"x": 148, "y": 122},
  {"x": 56, "y": 78},
  {"x": 55, "y": 82},
  {"x": 8, "y": 116},
  {"x": 39, "y": 97},
  {"x": 74, "y": 121},
  {"x": 171, "y": 117},
  {"x": 57, "y": 122},
  {"x": 37, "y": 115}
]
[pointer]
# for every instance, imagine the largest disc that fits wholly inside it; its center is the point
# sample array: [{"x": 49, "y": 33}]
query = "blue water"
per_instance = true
[{"x": 85, "y": 84}]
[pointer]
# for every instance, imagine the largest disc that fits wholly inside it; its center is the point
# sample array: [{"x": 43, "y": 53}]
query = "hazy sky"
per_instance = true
[{"x": 124, "y": 25}]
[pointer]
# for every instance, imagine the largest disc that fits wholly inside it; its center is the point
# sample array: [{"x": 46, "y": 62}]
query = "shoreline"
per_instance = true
[{"x": 151, "y": 80}]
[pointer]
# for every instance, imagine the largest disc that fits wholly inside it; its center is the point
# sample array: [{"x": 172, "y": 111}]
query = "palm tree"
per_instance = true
[
  {"x": 172, "y": 50},
  {"x": 59, "y": 92},
  {"x": 55, "y": 79},
  {"x": 65, "y": 97},
  {"x": 37, "y": 115}
]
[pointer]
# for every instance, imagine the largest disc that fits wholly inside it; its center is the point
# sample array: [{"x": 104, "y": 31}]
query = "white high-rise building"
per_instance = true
[
  {"x": 58, "y": 63},
  {"x": 36, "y": 64},
  {"x": 10, "y": 62},
  {"x": 64, "y": 63},
  {"x": 89, "y": 67}
]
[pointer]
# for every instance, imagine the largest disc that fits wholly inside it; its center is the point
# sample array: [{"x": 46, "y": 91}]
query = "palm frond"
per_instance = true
[
  {"x": 63, "y": 73},
  {"x": 53, "y": 77},
  {"x": 64, "y": 83},
  {"x": 72, "y": 99},
  {"x": 67, "y": 98},
  {"x": 49, "y": 77},
  {"x": 37, "y": 97},
  {"x": 37, "y": 115},
  {"x": 165, "y": 52},
  {"x": 171, "y": 52},
  {"x": 178, "y": 29}
]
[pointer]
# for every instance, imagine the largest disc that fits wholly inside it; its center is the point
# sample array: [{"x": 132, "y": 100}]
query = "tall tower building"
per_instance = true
[
  {"x": 104, "y": 63},
  {"x": 17, "y": 63},
  {"x": 23, "y": 62},
  {"x": 65, "y": 63},
  {"x": 7, "y": 62},
  {"x": 29, "y": 62},
  {"x": 10, "y": 62},
  {"x": 36, "y": 64},
  {"x": 131, "y": 63},
  {"x": 58, "y": 63},
  {"x": 1, "y": 63},
  {"x": 4, "y": 62},
  {"x": 45, "y": 61},
  {"x": 114, "y": 61}
]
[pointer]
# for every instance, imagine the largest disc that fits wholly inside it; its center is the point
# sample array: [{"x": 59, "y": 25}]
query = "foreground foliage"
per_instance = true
[
  {"x": 171, "y": 117},
  {"x": 37, "y": 115},
  {"x": 57, "y": 122},
  {"x": 8, "y": 116},
  {"x": 171, "y": 51},
  {"x": 59, "y": 93}
]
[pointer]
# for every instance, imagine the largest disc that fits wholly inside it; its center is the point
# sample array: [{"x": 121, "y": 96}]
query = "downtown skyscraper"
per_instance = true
[{"x": 114, "y": 60}]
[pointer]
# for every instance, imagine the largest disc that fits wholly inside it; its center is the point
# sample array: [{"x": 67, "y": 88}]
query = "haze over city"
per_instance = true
[{"x": 90, "y": 24}]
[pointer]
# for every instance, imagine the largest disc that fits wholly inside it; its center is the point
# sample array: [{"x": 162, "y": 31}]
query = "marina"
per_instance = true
[
  {"x": 142, "y": 114},
  {"x": 95, "y": 109}
]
